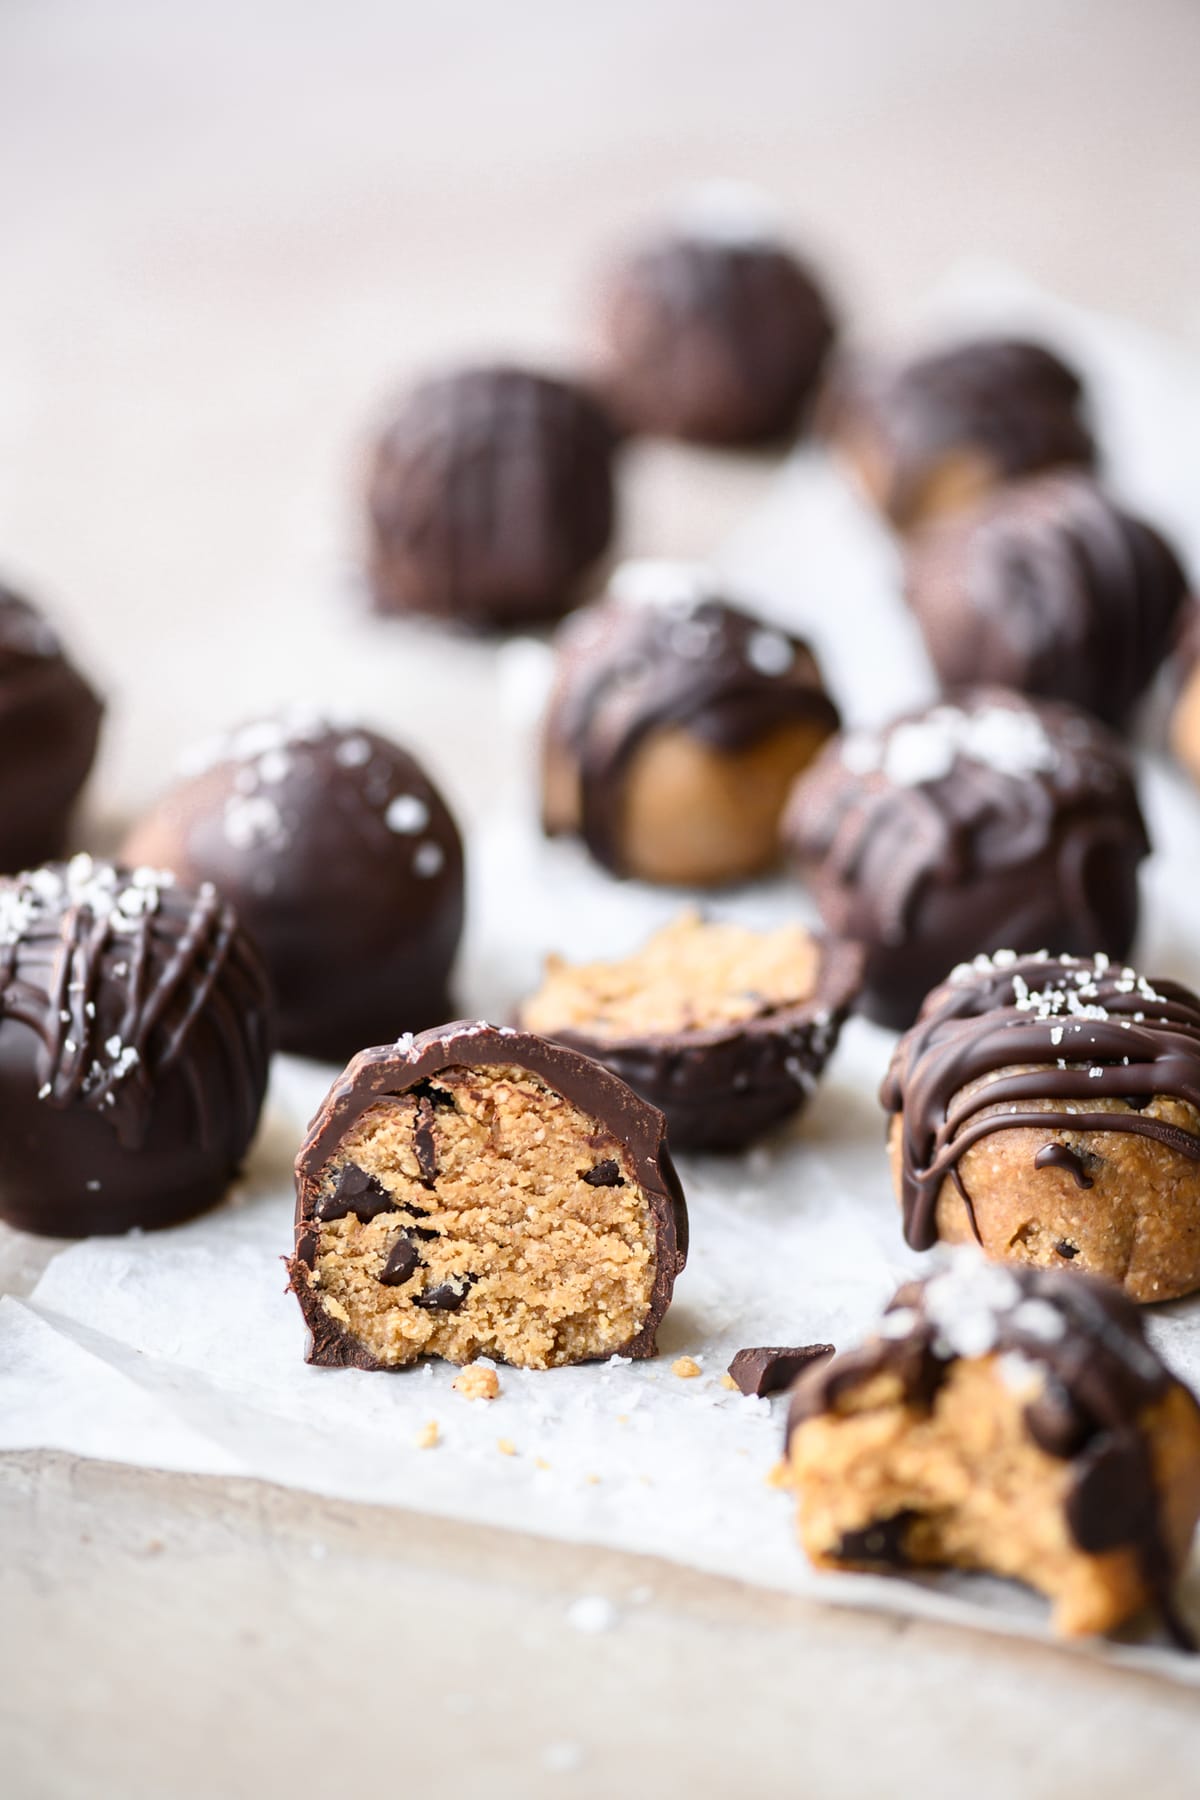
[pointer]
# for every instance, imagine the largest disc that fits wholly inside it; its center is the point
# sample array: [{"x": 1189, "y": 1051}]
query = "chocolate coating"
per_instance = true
[
  {"x": 976, "y": 824},
  {"x": 490, "y": 496},
  {"x": 1099, "y": 1378},
  {"x": 713, "y": 336},
  {"x": 391, "y": 1070},
  {"x": 343, "y": 862},
  {"x": 1077, "y": 1031},
  {"x": 664, "y": 650},
  {"x": 768, "y": 1369},
  {"x": 134, "y": 1041},
  {"x": 49, "y": 726},
  {"x": 944, "y": 428},
  {"x": 1050, "y": 588}
]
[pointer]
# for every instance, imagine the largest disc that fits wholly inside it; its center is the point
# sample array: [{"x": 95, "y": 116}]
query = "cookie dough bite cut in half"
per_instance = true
[
  {"x": 675, "y": 727},
  {"x": 1049, "y": 1107},
  {"x": 480, "y": 1192},
  {"x": 1010, "y": 1421},
  {"x": 987, "y": 820},
  {"x": 725, "y": 1029}
]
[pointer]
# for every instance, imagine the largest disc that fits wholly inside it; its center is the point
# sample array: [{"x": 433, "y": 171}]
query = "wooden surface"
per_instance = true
[{"x": 224, "y": 231}]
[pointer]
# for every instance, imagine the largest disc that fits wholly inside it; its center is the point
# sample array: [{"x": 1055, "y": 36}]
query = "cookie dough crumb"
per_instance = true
[
  {"x": 476, "y": 1382},
  {"x": 727, "y": 1381},
  {"x": 780, "y": 1476},
  {"x": 539, "y": 1462},
  {"x": 506, "y": 1447},
  {"x": 686, "y": 1367},
  {"x": 429, "y": 1436}
]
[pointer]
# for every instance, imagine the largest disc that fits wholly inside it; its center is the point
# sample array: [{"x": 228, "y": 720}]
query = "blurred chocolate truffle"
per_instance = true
[
  {"x": 134, "y": 1041},
  {"x": 49, "y": 724},
  {"x": 345, "y": 866},
  {"x": 711, "y": 329},
  {"x": 675, "y": 726},
  {"x": 928, "y": 436},
  {"x": 970, "y": 827},
  {"x": 490, "y": 496},
  {"x": 1048, "y": 587}
]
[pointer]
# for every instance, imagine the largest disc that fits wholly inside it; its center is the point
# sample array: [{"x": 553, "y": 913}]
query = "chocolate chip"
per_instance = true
[
  {"x": 358, "y": 1193},
  {"x": 422, "y": 1232},
  {"x": 1068, "y": 1250},
  {"x": 881, "y": 1542},
  {"x": 1113, "y": 1501},
  {"x": 1055, "y": 1423},
  {"x": 768, "y": 1369},
  {"x": 447, "y": 1297},
  {"x": 402, "y": 1262},
  {"x": 437, "y": 1096},
  {"x": 605, "y": 1174},
  {"x": 424, "y": 1140},
  {"x": 1137, "y": 1102}
]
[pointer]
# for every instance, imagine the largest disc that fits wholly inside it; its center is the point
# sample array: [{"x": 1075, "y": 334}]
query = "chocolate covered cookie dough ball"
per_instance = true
[
  {"x": 1050, "y": 588},
  {"x": 49, "y": 724},
  {"x": 712, "y": 330},
  {"x": 490, "y": 497},
  {"x": 1049, "y": 1108},
  {"x": 931, "y": 435},
  {"x": 978, "y": 823},
  {"x": 1012, "y": 1421},
  {"x": 724, "y": 1029},
  {"x": 134, "y": 1040},
  {"x": 344, "y": 864},
  {"x": 675, "y": 727},
  {"x": 479, "y": 1192}
]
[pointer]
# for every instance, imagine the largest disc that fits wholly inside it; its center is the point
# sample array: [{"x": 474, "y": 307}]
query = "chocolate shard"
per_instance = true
[
  {"x": 605, "y": 1174},
  {"x": 424, "y": 1140},
  {"x": 446, "y": 1297},
  {"x": 356, "y": 1192},
  {"x": 402, "y": 1262},
  {"x": 768, "y": 1369}
]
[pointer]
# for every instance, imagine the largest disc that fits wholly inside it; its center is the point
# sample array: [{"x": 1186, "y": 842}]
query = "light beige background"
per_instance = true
[{"x": 225, "y": 230}]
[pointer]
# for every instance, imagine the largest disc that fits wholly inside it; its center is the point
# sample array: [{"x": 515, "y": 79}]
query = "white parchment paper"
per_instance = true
[{"x": 181, "y": 1350}]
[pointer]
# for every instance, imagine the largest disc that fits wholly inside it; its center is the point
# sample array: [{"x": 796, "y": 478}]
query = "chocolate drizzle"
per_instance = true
[
  {"x": 985, "y": 821},
  {"x": 1058, "y": 1156},
  {"x": 687, "y": 659},
  {"x": 1096, "y": 1374},
  {"x": 1050, "y": 588},
  {"x": 1023, "y": 1031}
]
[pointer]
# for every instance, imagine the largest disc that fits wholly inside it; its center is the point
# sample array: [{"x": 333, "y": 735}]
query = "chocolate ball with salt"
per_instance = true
[
  {"x": 675, "y": 727},
  {"x": 490, "y": 497},
  {"x": 49, "y": 725},
  {"x": 979, "y": 823},
  {"x": 344, "y": 863},
  {"x": 712, "y": 329},
  {"x": 135, "y": 1031}
]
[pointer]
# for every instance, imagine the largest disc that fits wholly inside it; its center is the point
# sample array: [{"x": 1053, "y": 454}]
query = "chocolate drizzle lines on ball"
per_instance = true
[
  {"x": 1098, "y": 1377},
  {"x": 1027, "y": 1029}
]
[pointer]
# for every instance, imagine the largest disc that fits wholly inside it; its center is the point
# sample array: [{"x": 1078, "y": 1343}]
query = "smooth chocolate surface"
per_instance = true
[
  {"x": 768, "y": 1369},
  {"x": 49, "y": 726},
  {"x": 134, "y": 1039},
  {"x": 391, "y": 1070},
  {"x": 1051, "y": 588},
  {"x": 1098, "y": 1376},
  {"x": 979, "y": 823},
  {"x": 345, "y": 866},
  {"x": 490, "y": 496}
]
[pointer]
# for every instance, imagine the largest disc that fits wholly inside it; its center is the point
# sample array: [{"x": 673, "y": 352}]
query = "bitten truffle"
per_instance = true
[
  {"x": 49, "y": 726},
  {"x": 724, "y": 1029},
  {"x": 343, "y": 862},
  {"x": 480, "y": 1192},
  {"x": 1009, "y": 1421},
  {"x": 1050, "y": 588},
  {"x": 712, "y": 330},
  {"x": 134, "y": 1041},
  {"x": 976, "y": 824},
  {"x": 1049, "y": 1108},
  {"x": 490, "y": 498},
  {"x": 931, "y": 435},
  {"x": 675, "y": 727}
]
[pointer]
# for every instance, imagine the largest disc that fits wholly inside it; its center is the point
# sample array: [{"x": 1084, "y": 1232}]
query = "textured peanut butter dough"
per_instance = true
[
  {"x": 964, "y": 1486},
  {"x": 692, "y": 974},
  {"x": 479, "y": 1191},
  {"x": 551, "y": 1267},
  {"x": 1011, "y": 1420},
  {"x": 1137, "y": 1222},
  {"x": 1185, "y": 722}
]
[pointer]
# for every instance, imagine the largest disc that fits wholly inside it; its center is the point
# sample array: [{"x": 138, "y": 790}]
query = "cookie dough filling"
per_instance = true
[
  {"x": 1008, "y": 1421},
  {"x": 476, "y": 1210},
  {"x": 692, "y": 975}
]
